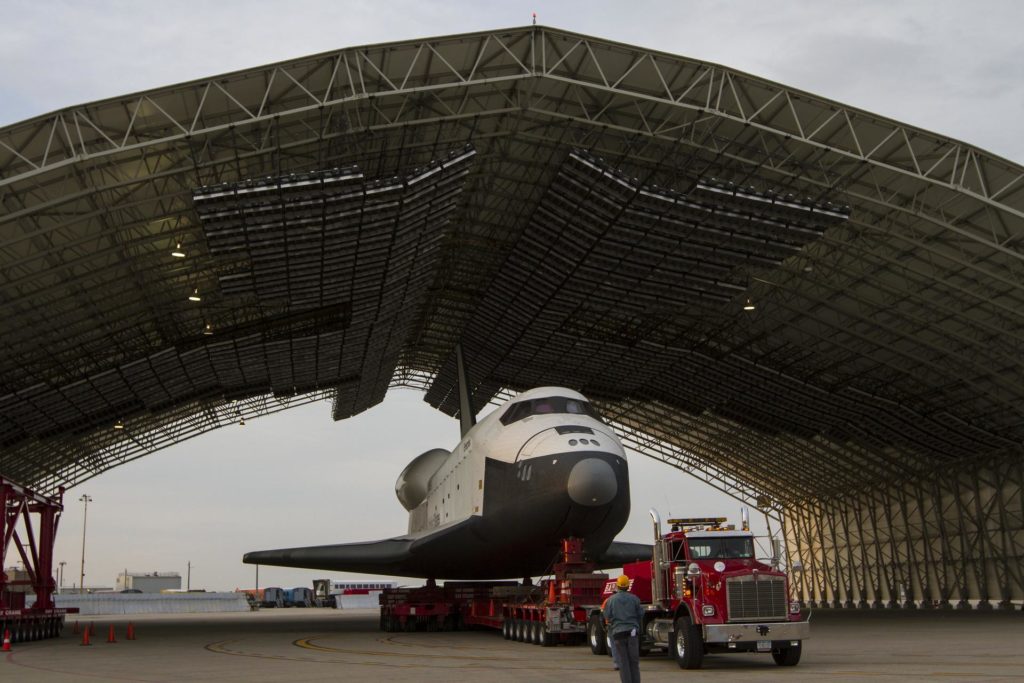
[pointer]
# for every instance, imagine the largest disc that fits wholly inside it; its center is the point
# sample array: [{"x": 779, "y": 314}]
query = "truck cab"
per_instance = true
[{"x": 705, "y": 591}]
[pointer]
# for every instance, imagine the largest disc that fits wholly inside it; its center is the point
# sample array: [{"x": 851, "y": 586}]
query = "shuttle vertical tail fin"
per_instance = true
[{"x": 467, "y": 418}]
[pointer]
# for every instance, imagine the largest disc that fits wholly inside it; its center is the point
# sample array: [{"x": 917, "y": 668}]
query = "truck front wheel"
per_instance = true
[
  {"x": 787, "y": 656},
  {"x": 687, "y": 644},
  {"x": 596, "y": 636}
]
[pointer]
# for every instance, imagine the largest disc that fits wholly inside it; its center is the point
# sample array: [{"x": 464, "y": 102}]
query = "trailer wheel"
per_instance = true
[
  {"x": 517, "y": 630},
  {"x": 536, "y": 633},
  {"x": 787, "y": 656},
  {"x": 596, "y": 636},
  {"x": 506, "y": 629},
  {"x": 546, "y": 638},
  {"x": 687, "y": 644}
]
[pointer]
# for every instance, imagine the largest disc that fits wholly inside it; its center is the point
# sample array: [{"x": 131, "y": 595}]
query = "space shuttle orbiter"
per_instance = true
[{"x": 540, "y": 468}]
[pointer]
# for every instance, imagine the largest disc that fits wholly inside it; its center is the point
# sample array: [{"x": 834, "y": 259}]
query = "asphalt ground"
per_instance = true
[{"x": 296, "y": 645}]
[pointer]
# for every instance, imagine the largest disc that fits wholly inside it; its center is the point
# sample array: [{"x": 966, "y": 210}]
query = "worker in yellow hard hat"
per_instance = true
[
  {"x": 611, "y": 650},
  {"x": 625, "y": 615}
]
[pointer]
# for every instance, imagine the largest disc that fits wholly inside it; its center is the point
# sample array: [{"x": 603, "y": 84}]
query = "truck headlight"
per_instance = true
[
  {"x": 708, "y": 610},
  {"x": 794, "y": 607}
]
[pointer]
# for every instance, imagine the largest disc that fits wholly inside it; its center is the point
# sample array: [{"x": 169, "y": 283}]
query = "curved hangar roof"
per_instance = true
[{"x": 573, "y": 210}]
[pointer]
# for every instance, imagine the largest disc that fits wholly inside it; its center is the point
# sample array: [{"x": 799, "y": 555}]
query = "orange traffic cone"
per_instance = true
[
  {"x": 131, "y": 631},
  {"x": 110, "y": 636},
  {"x": 85, "y": 637},
  {"x": 7, "y": 640}
]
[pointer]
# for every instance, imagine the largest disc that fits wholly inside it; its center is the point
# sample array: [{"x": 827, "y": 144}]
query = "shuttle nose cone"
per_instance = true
[{"x": 592, "y": 482}]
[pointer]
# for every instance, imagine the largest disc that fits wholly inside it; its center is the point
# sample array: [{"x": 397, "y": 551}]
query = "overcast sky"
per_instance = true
[{"x": 298, "y": 478}]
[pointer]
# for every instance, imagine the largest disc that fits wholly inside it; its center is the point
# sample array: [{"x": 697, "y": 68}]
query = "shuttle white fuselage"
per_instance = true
[
  {"x": 540, "y": 468},
  {"x": 453, "y": 483}
]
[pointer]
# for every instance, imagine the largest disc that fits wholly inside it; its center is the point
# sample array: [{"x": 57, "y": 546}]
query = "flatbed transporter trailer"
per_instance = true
[
  {"x": 554, "y": 612},
  {"x": 705, "y": 592},
  {"x": 43, "y": 619}
]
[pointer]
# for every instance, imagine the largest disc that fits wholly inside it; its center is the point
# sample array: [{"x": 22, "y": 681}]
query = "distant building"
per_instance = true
[
  {"x": 151, "y": 582},
  {"x": 19, "y": 580}
]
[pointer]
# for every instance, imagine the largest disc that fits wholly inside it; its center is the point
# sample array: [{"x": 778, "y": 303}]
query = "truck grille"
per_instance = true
[{"x": 756, "y": 600}]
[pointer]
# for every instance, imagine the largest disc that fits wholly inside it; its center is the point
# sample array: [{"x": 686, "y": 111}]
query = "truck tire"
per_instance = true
[
  {"x": 596, "y": 636},
  {"x": 546, "y": 639},
  {"x": 520, "y": 631},
  {"x": 787, "y": 656},
  {"x": 505, "y": 629},
  {"x": 687, "y": 644},
  {"x": 535, "y": 632}
]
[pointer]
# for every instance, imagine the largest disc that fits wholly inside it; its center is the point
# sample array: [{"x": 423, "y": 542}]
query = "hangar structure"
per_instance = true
[{"x": 809, "y": 306}]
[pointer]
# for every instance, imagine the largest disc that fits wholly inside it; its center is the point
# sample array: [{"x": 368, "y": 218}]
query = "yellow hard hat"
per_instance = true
[{"x": 622, "y": 582}]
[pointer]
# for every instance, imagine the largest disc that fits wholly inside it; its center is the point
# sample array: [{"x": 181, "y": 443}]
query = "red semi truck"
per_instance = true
[{"x": 705, "y": 592}]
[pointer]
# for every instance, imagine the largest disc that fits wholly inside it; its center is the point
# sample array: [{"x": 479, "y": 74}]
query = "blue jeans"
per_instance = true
[{"x": 626, "y": 652}]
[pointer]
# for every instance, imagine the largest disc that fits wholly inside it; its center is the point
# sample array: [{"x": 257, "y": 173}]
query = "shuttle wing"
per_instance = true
[
  {"x": 372, "y": 556},
  {"x": 399, "y": 556},
  {"x": 619, "y": 553},
  {"x": 444, "y": 553}
]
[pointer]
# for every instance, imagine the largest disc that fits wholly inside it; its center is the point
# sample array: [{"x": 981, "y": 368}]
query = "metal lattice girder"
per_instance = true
[
  {"x": 620, "y": 208},
  {"x": 942, "y": 539}
]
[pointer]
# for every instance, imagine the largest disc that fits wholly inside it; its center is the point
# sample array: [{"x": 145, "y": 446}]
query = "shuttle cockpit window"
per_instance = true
[
  {"x": 548, "y": 406},
  {"x": 576, "y": 407}
]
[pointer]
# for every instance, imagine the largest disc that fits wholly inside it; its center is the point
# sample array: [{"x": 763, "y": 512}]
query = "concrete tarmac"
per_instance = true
[{"x": 297, "y": 645}]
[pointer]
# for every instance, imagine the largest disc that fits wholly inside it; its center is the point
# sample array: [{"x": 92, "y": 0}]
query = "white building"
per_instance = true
[{"x": 151, "y": 582}]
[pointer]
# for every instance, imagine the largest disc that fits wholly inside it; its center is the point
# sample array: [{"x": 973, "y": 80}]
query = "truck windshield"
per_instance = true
[{"x": 733, "y": 547}]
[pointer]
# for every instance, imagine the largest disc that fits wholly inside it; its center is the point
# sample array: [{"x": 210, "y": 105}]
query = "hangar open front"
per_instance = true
[{"x": 811, "y": 307}]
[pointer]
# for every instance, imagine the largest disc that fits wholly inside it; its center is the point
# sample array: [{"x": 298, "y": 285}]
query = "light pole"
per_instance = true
[
  {"x": 61, "y": 579},
  {"x": 81, "y": 577}
]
